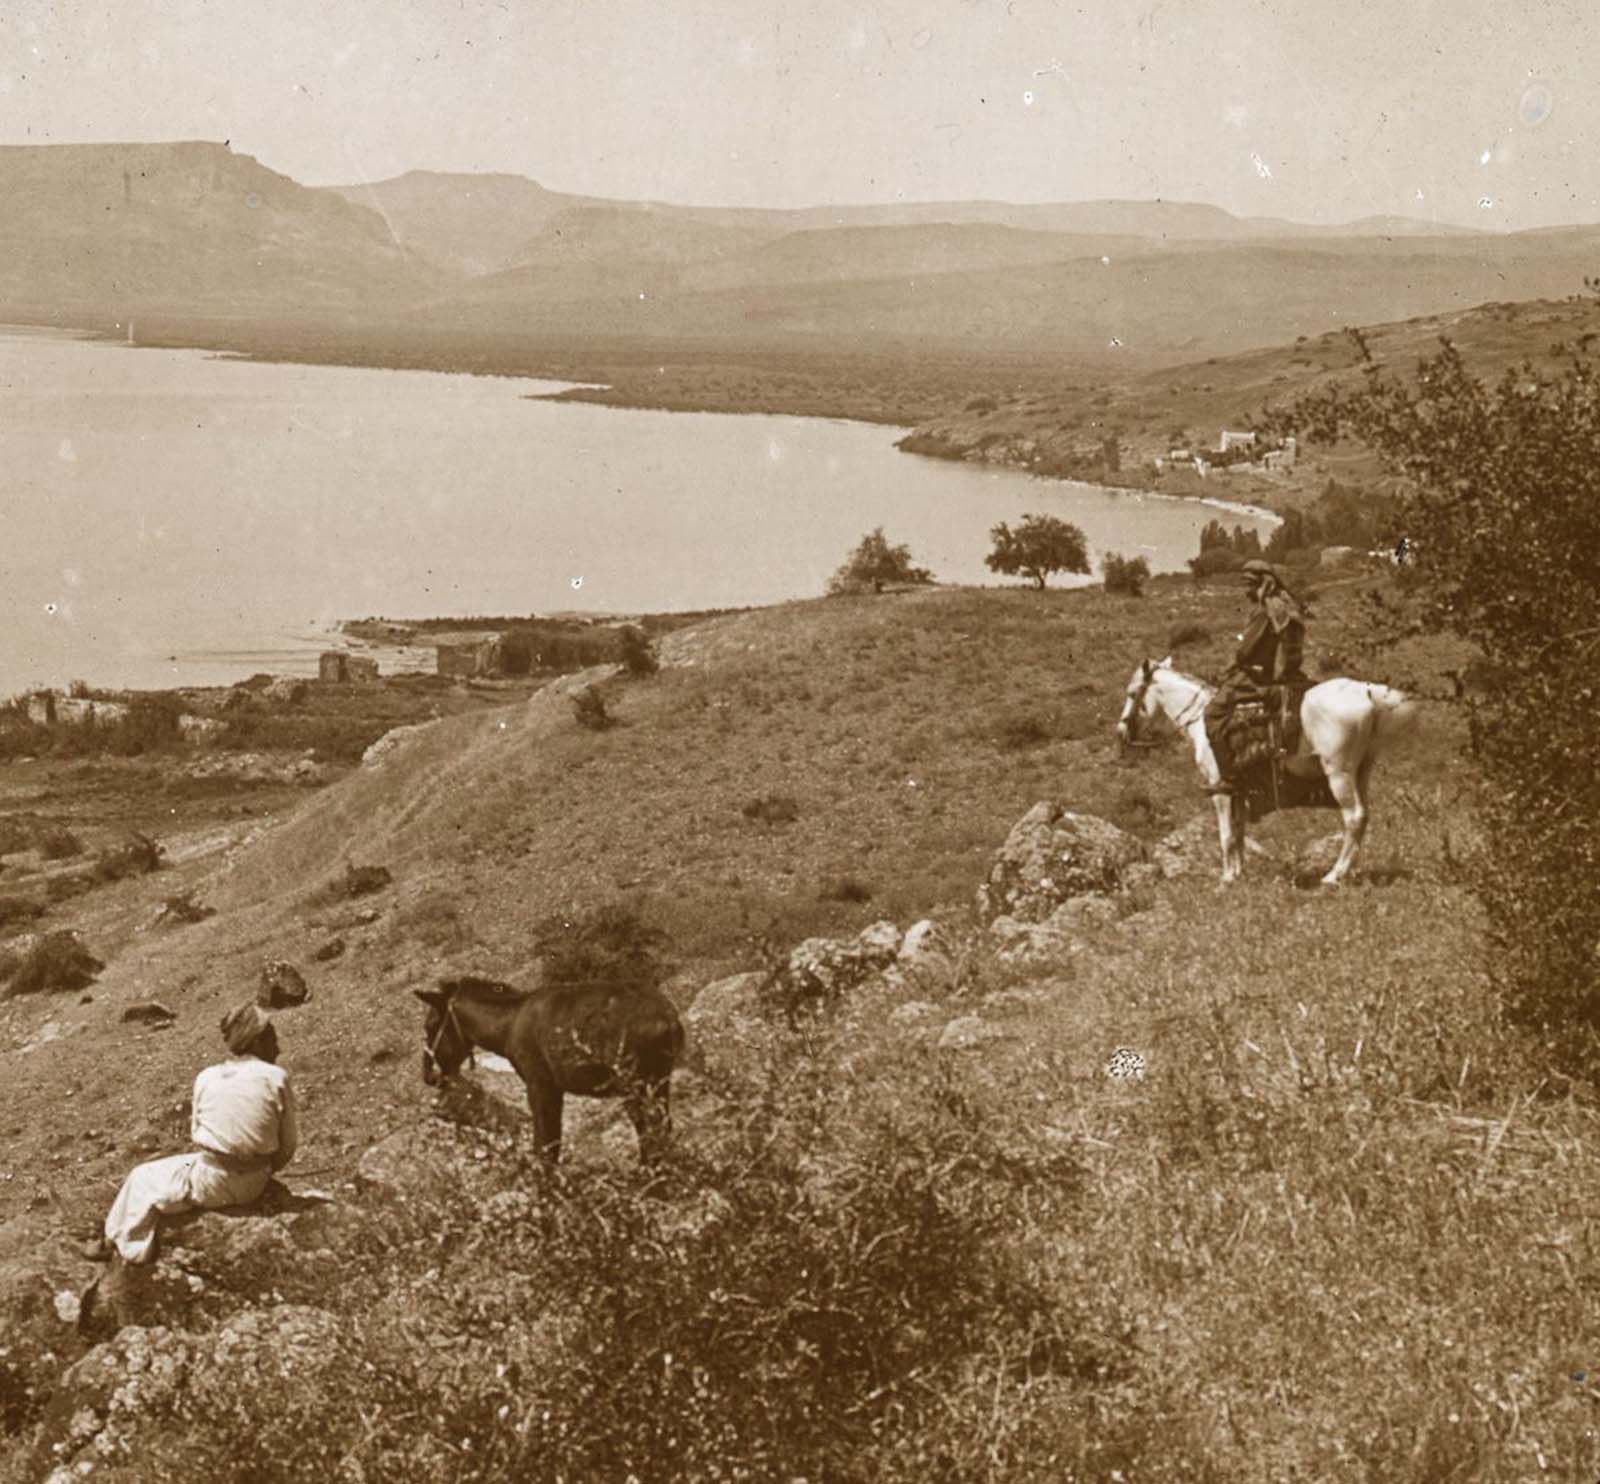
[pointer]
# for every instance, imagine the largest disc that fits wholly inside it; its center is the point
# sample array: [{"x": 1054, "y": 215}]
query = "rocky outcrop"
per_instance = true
[
  {"x": 124, "y": 1386},
  {"x": 1051, "y": 856},
  {"x": 826, "y": 968},
  {"x": 389, "y": 743},
  {"x": 282, "y": 986}
]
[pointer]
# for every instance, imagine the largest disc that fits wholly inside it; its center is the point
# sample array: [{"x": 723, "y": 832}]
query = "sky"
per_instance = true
[{"x": 1476, "y": 112}]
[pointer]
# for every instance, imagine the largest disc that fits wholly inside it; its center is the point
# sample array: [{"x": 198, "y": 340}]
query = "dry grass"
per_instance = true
[{"x": 1342, "y": 1229}]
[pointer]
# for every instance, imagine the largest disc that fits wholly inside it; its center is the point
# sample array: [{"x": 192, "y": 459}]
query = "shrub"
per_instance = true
[
  {"x": 638, "y": 655},
  {"x": 610, "y": 945},
  {"x": 1504, "y": 481},
  {"x": 771, "y": 809},
  {"x": 1022, "y": 730},
  {"x": 1040, "y": 545},
  {"x": 874, "y": 564},
  {"x": 589, "y": 706},
  {"x": 1215, "y": 560},
  {"x": 845, "y": 889},
  {"x": 1124, "y": 574},
  {"x": 1182, "y": 634},
  {"x": 14, "y": 909},
  {"x": 56, "y": 843},
  {"x": 58, "y": 961},
  {"x": 138, "y": 855}
]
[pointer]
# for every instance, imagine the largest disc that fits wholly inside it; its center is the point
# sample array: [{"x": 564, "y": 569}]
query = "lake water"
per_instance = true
[{"x": 172, "y": 518}]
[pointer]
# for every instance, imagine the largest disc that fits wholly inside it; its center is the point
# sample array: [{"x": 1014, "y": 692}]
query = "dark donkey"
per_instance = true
[{"x": 595, "y": 1041}]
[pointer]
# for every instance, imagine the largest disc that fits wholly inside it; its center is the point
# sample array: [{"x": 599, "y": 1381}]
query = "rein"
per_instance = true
[{"x": 432, "y": 1049}]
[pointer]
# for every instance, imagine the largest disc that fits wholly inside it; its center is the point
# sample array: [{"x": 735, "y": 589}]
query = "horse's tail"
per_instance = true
[{"x": 1395, "y": 715}]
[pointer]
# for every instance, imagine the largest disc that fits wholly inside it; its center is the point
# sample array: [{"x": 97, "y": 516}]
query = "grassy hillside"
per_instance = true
[{"x": 1338, "y": 1231}]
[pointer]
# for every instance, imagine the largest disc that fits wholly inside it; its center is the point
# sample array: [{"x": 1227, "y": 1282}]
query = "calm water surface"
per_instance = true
[{"x": 170, "y": 518}]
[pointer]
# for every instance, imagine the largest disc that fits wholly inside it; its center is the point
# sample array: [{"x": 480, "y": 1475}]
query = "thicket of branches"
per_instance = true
[{"x": 1501, "y": 501}]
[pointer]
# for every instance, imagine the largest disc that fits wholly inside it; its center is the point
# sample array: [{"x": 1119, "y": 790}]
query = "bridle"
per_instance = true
[
  {"x": 430, "y": 1054},
  {"x": 1133, "y": 711}
]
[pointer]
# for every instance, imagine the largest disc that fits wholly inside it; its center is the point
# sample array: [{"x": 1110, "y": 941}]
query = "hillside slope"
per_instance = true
[
  {"x": 1334, "y": 1173},
  {"x": 112, "y": 229}
]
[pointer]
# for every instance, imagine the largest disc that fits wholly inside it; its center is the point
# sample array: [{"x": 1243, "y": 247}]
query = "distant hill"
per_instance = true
[
  {"x": 194, "y": 227},
  {"x": 195, "y": 231}
]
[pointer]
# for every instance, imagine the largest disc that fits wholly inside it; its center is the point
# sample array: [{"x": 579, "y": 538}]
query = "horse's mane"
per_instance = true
[{"x": 475, "y": 984}]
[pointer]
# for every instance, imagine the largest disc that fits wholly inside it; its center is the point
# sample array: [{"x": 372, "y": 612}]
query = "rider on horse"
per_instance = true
[{"x": 1269, "y": 653}]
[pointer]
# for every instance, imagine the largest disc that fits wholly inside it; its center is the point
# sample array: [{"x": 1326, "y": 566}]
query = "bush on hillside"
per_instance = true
[
  {"x": 1505, "y": 481},
  {"x": 58, "y": 961},
  {"x": 1181, "y": 635},
  {"x": 605, "y": 946},
  {"x": 875, "y": 564},
  {"x": 638, "y": 654},
  {"x": 589, "y": 707},
  {"x": 1215, "y": 561},
  {"x": 1039, "y": 546},
  {"x": 1126, "y": 575}
]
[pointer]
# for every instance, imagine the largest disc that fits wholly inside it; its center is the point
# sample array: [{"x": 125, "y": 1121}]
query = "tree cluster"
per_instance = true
[{"x": 1501, "y": 493}]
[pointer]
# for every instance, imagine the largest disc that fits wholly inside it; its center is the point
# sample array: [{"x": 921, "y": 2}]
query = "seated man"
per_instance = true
[
  {"x": 243, "y": 1127},
  {"x": 1269, "y": 653}
]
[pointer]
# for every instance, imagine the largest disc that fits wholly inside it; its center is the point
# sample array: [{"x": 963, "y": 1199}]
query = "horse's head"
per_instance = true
[
  {"x": 444, "y": 1044},
  {"x": 1138, "y": 704}
]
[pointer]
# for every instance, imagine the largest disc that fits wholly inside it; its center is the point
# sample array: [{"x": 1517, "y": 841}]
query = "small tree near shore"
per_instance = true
[
  {"x": 1040, "y": 545},
  {"x": 1125, "y": 574},
  {"x": 875, "y": 563}
]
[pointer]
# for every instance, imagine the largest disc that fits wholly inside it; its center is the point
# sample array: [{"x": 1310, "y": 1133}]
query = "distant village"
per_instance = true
[{"x": 1234, "y": 450}]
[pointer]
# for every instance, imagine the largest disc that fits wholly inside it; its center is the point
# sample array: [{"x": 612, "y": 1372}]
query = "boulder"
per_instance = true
[
  {"x": 148, "y": 1012},
  {"x": 1051, "y": 856},
  {"x": 967, "y": 1032},
  {"x": 391, "y": 740},
  {"x": 282, "y": 986},
  {"x": 109, "y": 1399},
  {"x": 1032, "y": 943},
  {"x": 825, "y": 968},
  {"x": 285, "y": 691},
  {"x": 726, "y": 1019}
]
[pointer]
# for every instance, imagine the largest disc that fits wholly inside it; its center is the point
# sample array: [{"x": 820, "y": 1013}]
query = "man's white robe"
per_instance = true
[{"x": 244, "y": 1129}]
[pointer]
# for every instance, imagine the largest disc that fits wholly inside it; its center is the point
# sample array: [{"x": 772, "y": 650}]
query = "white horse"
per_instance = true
[{"x": 1345, "y": 724}]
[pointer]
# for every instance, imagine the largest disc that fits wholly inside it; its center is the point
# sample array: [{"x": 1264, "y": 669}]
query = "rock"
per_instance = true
[
  {"x": 282, "y": 986},
  {"x": 825, "y": 968},
  {"x": 122, "y": 1389},
  {"x": 307, "y": 772},
  {"x": 1317, "y": 856},
  {"x": 969, "y": 1031},
  {"x": 1081, "y": 911},
  {"x": 148, "y": 1012},
  {"x": 725, "y": 1020},
  {"x": 285, "y": 691},
  {"x": 361, "y": 881},
  {"x": 183, "y": 908},
  {"x": 198, "y": 730},
  {"x": 1051, "y": 856},
  {"x": 332, "y": 949},
  {"x": 927, "y": 956},
  {"x": 387, "y": 744},
  {"x": 1032, "y": 942}
]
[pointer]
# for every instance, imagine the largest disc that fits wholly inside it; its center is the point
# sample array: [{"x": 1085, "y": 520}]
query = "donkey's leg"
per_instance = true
[
  {"x": 1350, "y": 795},
  {"x": 649, "y": 1106},
  {"x": 544, "y": 1102}
]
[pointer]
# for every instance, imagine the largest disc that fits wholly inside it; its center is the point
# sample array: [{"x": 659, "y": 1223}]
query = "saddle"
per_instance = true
[{"x": 1263, "y": 734}]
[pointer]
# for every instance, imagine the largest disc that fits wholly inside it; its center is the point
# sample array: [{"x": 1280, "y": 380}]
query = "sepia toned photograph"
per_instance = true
[{"x": 849, "y": 743}]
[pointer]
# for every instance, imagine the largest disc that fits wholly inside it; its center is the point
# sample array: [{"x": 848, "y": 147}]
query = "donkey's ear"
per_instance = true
[
  {"x": 431, "y": 997},
  {"x": 1148, "y": 669},
  {"x": 1165, "y": 664}
]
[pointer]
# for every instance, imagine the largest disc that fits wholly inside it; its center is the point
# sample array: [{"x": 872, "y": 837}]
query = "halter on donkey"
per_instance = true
[
  {"x": 604, "y": 1042},
  {"x": 1346, "y": 724}
]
